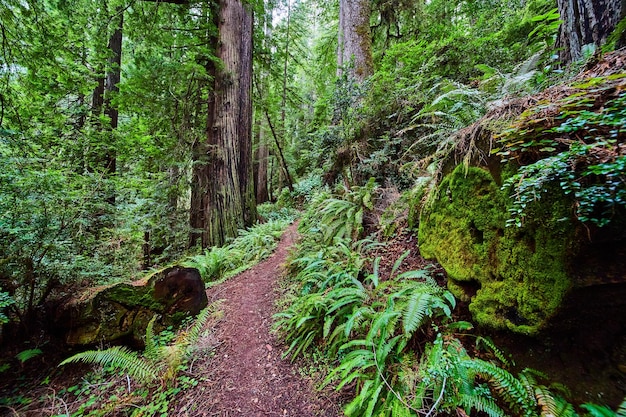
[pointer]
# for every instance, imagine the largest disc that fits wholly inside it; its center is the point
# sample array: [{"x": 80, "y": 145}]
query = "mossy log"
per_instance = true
[{"x": 123, "y": 310}]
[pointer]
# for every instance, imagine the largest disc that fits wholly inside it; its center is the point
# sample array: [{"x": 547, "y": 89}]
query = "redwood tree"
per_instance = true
[
  {"x": 355, "y": 40},
  {"x": 586, "y": 22},
  {"x": 223, "y": 200}
]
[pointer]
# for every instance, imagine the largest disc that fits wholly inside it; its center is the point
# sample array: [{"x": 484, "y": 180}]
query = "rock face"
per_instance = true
[
  {"x": 531, "y": 275},
  {"x": 514, "y": 277},
  {"x": 517, "y": 278},
  {"x": 123, "y": 310}
]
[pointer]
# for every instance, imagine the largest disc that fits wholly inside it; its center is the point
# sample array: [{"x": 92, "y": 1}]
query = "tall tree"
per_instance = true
[
  {"x": 229, "y": 203},
  {"x": 586, "y": 22},
  {"x": 355, "y": 41}
]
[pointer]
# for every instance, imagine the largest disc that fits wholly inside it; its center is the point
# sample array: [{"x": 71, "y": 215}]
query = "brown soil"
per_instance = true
[{"x": 247, "y": 376}]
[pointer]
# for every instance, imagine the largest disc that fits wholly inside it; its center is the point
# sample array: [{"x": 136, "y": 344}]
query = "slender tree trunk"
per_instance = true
[
  {"x": 111, "y": 86},
  {"x": 230, "y": 199},
  {"x": 585, "y": 22},
  {"x": 263, "y": 154},
  {"x": 355, "y": 40},
  {"x": 198, "y": 216},
  {"x": 283, "y": 101}
]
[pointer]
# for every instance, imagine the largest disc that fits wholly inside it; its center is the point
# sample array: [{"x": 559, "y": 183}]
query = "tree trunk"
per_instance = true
[
  {"x": 111, "y": 86},
  {"x": 230, "y": 197},
  {"x": 355, "y": 40},
  {"x": 585, "y": 22},
  {"x": 263, "y": 154},
  {"x": 199, "y": 153}
]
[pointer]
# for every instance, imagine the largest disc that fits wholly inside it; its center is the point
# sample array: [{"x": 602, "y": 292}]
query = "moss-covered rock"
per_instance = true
[
  {"x": 514, "y": 277},
  {"x": 122, "y": 310}
]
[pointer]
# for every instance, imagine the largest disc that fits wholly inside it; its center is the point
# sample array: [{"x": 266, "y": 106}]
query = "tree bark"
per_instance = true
[
  {"x": 230, "y": 195},
  {"x": 263, "y": 154},
  {"x": 111, "y": 85},
  {"x": 355, "y": 39},
  {"x": 199, "y": 152},
  {"x": 585, "y": 22}
]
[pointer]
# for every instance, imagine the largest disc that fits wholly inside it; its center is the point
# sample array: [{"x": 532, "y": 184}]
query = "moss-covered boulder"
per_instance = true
[
  {"x": 558, "y": 233},
  {"x": 123, "y": 310},
  {"x": 514, "y": 277}
]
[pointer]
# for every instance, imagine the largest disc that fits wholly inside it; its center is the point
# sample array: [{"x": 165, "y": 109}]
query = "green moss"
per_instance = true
[
  {"x": 515, "y": 277},
  {"x": 131, "y": 295}
]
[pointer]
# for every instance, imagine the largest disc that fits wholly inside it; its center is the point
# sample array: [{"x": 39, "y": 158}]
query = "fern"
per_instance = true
[
  {"x": 510, "y": 388},
  {"x": 416, "y": 311},
  {"x": 119, "y": 357},
  {"x": 480, "y": 403},
  {"x": 488, "y": 343},
  {"x": 28, "y": 354},
  {"x": 151, "y": 349},
  {"x": 157, "y": 362},
  {"x": 554, "y": 406},
  {"x": 621, "y": 410}
]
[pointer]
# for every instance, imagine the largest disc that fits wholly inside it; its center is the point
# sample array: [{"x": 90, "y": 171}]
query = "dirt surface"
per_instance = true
[{"x": 247, "y": 375}]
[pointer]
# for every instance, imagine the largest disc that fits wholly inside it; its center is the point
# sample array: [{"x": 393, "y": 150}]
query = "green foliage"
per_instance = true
[
  {"x": 159, "y": 361},
  {"x": 269, "y": 212},
  {"x": 392, "y": 338},
  {"x": 28, "y": 354},
  {"x": 5, "y": 302},
  {"x": 302, "y": 192},
  {"x": 521, "y": 272},
  {"x": 261, "y": 238},
  {"x": 592, "y": 172},
  {"x": 339, "y": 217},
  {"x": 250, "y": 247},
  {"x": 214, "y": 263},
  {"x": 119, "y": 357}
]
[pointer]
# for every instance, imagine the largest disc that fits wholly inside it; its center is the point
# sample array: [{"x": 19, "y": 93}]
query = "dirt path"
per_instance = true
[{"x": 247, "y": 376}]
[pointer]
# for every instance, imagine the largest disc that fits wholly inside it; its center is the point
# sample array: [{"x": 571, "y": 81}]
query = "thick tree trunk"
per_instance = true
[
  {"x": 355, "y": 40},
  {"x": 585, "y": 22},
  {"x": 230, "y": 199}
]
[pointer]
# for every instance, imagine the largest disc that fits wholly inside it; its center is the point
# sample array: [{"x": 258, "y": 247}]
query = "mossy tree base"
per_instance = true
[
  {"x": 123, "y": 310},
  {"x": 514, "y": 278}
]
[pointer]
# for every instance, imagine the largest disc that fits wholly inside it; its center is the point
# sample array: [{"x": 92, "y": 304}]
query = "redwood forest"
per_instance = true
[{"x": 362, "y": 208}]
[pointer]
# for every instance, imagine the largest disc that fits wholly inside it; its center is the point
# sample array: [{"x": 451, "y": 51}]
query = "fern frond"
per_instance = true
[
  {"x": 189, "y": 337},
  {"x": 118, "y": 357},
  {"x": 150, "y": 350},
  {"x": 383, "y": 325},
  {"x": 398, "y": 263},
  {"x": 480, "y": 403},
  {"x": 417, "y": 309},
  {"x": 374, "y": 399},
  {"x": 621, "y": 410},
  {"x": 553, "y": 406},
  {"x": 488, "y": 343},
  {"x": 508, "y": 386}
]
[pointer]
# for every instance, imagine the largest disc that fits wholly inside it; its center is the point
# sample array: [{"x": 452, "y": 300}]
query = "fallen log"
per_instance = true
[{"x": 106, "y": 314}]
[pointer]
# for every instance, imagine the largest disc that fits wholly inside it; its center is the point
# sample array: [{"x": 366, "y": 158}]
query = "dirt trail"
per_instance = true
[{"x": 247, "y": 376}]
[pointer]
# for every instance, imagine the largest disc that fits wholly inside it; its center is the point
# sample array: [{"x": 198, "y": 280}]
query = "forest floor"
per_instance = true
[
  {"x": 239, "y": 368},
  {"x": 247, "y": 375}
]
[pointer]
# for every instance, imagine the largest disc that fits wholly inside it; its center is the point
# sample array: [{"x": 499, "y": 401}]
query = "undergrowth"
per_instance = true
[
  {"x": 390, "y": 336},
  {"x": 247, "y": 249},
  {"x": 579, "y": 152}
]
